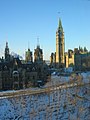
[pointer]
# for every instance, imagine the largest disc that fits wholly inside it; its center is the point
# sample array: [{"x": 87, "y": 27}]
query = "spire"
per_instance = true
[
  {"x": 38, "y": 42},
  {"x": 7, "y": 52},
  {"x": 60, "y": 25},
  {"x": 28, "y": 46},
  {"x": 6, "y": 44}
]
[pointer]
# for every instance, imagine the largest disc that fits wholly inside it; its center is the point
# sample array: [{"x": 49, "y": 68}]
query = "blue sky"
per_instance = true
[{"x": 22, "y": 21}]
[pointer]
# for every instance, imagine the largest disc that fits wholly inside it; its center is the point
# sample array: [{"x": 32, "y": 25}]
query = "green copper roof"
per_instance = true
[{"x": 60, "y": 25}]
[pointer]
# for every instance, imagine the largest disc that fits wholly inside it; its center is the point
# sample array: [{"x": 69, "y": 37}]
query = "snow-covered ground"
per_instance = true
[
  {"x": 55, "y": 79},
  {"x": 62, "y": 104}
]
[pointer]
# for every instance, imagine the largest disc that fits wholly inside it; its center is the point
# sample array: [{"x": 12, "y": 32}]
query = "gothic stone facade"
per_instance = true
[{"x": 60, "y": 46}]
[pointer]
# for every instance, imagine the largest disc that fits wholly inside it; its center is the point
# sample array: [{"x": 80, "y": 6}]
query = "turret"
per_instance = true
[{"x": 7, "y": 55}]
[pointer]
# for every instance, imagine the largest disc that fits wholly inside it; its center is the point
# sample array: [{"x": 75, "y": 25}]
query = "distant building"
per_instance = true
[
  {"x": 69, "y": 59},
  {"x": 60, "y": 46},
  {"x": 79, "y": 59},
  {"x": 82, "y": 59},
  {"x": 53, "y": 59},
  {"x": 7, "y": 55},
  {"x": 28, "y": 56},
  {"x": 38, "y": 54},
  {"x": 57, "y": 59},
  {"x": 15, "y": 74}
]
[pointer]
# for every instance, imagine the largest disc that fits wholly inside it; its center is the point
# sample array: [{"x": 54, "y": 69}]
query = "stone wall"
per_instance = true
[{"x": 62, "y": 104}]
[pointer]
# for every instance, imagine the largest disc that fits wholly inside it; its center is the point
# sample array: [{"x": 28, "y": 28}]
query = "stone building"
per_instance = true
[
  {"x": 53, "y": 60},
  {"x": 10, "y": 73},
  {"x": 5, "y": 75},
  {"x": 7, "y": 54},
  {"x": 38, "y": 54},
  {"x": 69, "y": 59},
  {"x": 60, "y": 46},
  {"x": 16, "y": 71},
  {"x": 29, "y": 75},
  {"x": 82, "y": 59},
  {"x": 79, "y": 59},
  {"x": 15, "y": 74},
  {"x": 28, "y": 56},
  {"x": 57, "y": 59},
  {"x": 42, "y": 71}
]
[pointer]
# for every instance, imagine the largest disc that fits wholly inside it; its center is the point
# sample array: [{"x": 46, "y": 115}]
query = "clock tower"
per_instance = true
[{"x": 60, "y": 46}]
